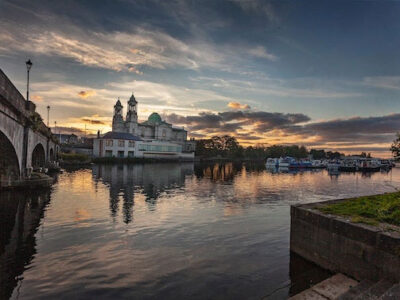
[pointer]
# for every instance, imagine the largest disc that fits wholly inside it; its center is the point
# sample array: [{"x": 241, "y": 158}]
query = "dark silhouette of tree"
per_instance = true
[{"x": 395, "y": 148}]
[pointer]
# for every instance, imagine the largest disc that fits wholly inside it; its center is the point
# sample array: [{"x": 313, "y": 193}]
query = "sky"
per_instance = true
[{"x": 324, "y": 74}]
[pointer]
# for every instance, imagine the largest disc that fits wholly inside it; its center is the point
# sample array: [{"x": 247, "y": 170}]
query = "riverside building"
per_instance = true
[{"x": 153, "y": 138}]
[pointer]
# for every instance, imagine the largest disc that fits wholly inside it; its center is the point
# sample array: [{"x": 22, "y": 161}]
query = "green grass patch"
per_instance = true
[{"x": 368, "y": 209}]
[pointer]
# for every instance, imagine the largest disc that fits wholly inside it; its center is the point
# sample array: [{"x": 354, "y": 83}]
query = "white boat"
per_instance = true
[
  {"x": 272, "y": 162},
  {"x": 333, "y": 165},
  {"x": 284, "y": 162},
  {"x": 316, "y": 163}
]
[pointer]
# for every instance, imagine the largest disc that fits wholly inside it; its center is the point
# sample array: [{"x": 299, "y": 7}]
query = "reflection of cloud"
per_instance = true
[
  {"x": 81, "y": 214},
  {"x": 237, "y": 105},
  {"x": 86, "y": 94}
]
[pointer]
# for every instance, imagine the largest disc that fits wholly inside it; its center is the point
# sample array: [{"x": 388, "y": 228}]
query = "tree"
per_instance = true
[{"x": 395, "y": 148}]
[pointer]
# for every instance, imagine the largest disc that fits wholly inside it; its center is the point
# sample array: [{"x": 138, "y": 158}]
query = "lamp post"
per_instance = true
[
  {"x": 28, "y": 68},
  {"x": 48, "y": 115}
]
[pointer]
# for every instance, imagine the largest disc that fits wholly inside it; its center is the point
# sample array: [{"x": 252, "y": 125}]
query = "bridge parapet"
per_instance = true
[{"x": 14, "y": 98}]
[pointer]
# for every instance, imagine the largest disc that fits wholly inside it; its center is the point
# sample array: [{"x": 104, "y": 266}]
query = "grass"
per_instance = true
[{"x": 370, "y": 210}]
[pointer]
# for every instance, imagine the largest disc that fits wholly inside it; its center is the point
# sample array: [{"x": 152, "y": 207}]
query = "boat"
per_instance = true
[
  {"x": 284, "y": 162},
  {"x": 348, "y": 165},
  {"x": 317, "y": 164},
  {"x": 369, "y": 165},
  {"x": 272, "y": 162},
  {"x": 333, "y": 165}
]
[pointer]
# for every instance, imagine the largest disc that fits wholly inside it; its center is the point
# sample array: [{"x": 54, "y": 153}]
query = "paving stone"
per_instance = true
[
  {"x": 308, "y": 295},
  {"x": 356, "y": 290},
  {"x": 376, "y": 290},
  {"x": 334, "y": 286}
]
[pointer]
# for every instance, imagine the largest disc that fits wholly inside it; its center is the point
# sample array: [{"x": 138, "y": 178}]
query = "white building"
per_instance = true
[
  {"x": 153, "y": 138},
  {"x": 154, "y": 129}
]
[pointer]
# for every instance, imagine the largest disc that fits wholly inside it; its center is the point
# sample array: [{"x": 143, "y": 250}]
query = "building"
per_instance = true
[
  {"x": 66, "y": 138},
  {"x": 154, "y": 129},
  {"x": 153, "y": 138}
]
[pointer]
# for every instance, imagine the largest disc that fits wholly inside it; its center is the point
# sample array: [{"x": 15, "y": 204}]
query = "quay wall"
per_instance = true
[{"x": 334, "y": 243}]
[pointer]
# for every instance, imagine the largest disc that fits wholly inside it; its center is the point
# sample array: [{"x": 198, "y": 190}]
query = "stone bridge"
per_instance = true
[{"x": 26, "y": 143}]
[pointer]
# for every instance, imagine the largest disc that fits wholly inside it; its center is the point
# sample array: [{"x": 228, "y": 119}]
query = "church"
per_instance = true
[
  {"x": 152, "y": 129},
  {"x": 153, "y": 138}
]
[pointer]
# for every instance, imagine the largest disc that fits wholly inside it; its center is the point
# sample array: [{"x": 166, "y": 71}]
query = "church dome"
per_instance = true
[{"x": 154, "y": 118}]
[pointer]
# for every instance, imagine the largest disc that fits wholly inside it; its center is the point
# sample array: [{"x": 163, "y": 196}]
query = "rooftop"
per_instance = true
[{"x": 121, "y": 136}]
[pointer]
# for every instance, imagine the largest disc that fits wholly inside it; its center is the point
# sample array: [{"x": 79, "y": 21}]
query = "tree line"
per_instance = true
[{"x": 228, "y": 147}]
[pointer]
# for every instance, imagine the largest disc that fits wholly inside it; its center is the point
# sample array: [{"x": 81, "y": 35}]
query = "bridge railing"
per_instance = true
[{"x": 14, "y": 98}]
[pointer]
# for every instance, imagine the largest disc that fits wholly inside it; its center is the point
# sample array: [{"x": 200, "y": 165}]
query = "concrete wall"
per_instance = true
[{"x": 334, "y": 243}]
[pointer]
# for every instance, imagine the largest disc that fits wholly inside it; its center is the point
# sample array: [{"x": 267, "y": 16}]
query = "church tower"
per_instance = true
[
  {"x": 131, "y": 116},
  {"x": 118, "y": 120}
]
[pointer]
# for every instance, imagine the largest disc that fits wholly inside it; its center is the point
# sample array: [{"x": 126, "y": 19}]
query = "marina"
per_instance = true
[{"x": 345, "y": 164}]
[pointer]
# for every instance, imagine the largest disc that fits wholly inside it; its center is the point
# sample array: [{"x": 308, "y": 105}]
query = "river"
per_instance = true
[{"x": 165, "y": 231}]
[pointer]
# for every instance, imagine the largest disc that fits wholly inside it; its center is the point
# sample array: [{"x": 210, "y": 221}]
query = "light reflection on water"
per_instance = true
[{"x": 163, "y": 231}]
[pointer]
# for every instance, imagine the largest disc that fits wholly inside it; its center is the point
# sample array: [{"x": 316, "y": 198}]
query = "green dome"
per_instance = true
[{"x": 154, "y": 118}]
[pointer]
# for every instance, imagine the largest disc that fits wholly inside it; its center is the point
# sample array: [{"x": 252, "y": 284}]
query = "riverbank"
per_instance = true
[
  {"x": 348, "y": 236},
  {"x": 36, "y": 180}
]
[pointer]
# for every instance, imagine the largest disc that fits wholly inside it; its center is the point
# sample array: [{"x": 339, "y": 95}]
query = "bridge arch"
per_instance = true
[
  {"x": 9, "y": 164},
  {"x": 38, "y": 156}
]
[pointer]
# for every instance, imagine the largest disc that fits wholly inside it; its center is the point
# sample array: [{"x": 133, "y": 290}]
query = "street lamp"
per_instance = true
[{"x": 28, "y": 68}]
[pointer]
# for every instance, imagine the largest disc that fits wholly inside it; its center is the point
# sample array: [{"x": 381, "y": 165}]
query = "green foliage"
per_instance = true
[
  {"x": 369, "y": 209},
  {"x": 395, "y": 148},
  {"x": 35, "y": 120}
]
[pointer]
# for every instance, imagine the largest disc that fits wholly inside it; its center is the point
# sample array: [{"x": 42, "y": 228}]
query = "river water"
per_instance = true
[{"x": 165, "y": 231}]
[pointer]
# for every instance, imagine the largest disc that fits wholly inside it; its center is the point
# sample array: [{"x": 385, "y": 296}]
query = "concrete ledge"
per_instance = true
[{"x": 334, "y": 243}]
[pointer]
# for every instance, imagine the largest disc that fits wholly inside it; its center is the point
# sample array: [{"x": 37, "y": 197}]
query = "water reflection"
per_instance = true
[
  {"x": 151, "y": 180},
  {"x": 20, "y": 215},
  {"x": 151, "y": 231}
]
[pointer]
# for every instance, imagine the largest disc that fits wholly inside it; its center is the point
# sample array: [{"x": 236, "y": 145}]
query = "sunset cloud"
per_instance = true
[
  {"x": 86, "y": 94},
  {"x": 37, "y": 98},
  {"x": 237, "y": 105}
]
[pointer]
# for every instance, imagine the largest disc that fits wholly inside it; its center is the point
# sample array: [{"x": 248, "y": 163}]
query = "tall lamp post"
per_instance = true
[
  {"x": 28, "y": 68},
  {"x": 48, "y": 115}
]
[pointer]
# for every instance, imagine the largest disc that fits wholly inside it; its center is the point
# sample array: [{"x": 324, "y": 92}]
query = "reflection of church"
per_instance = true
[
  {"x": 152, "y": 129},
  {"x": 124, "y": 181}
]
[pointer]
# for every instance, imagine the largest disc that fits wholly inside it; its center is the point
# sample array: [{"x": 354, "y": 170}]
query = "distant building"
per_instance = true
[
  {"x": 154, "y": 129},
  {"x": 123, "y": 145},
  {"x": 66, "y": 138},
  {"x": 153, "y": 138}
]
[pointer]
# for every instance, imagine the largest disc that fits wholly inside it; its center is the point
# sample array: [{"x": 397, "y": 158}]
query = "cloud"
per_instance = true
[
  {"x": 356, "y": 130},
  {"x": 92, "y": 121},
  {"x": 237, "y": 105},
  {"x": 231, "y": 122},
  {"x": 86, "y": 94},
  {"x": 385, "y": 82},
  {"x": 261, "y": 52},
  {"x": 37, "y": 98}
]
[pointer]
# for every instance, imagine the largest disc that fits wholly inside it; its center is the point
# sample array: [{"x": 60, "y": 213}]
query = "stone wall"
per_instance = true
[{"x": 334, "y": 243}]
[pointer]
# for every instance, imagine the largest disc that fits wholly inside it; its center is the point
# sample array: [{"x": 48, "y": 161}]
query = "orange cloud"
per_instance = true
[
  {"x": 86, "y": 94},
  {"x": 237, "y": 105},
  {"x": 37, "y": 98}
]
